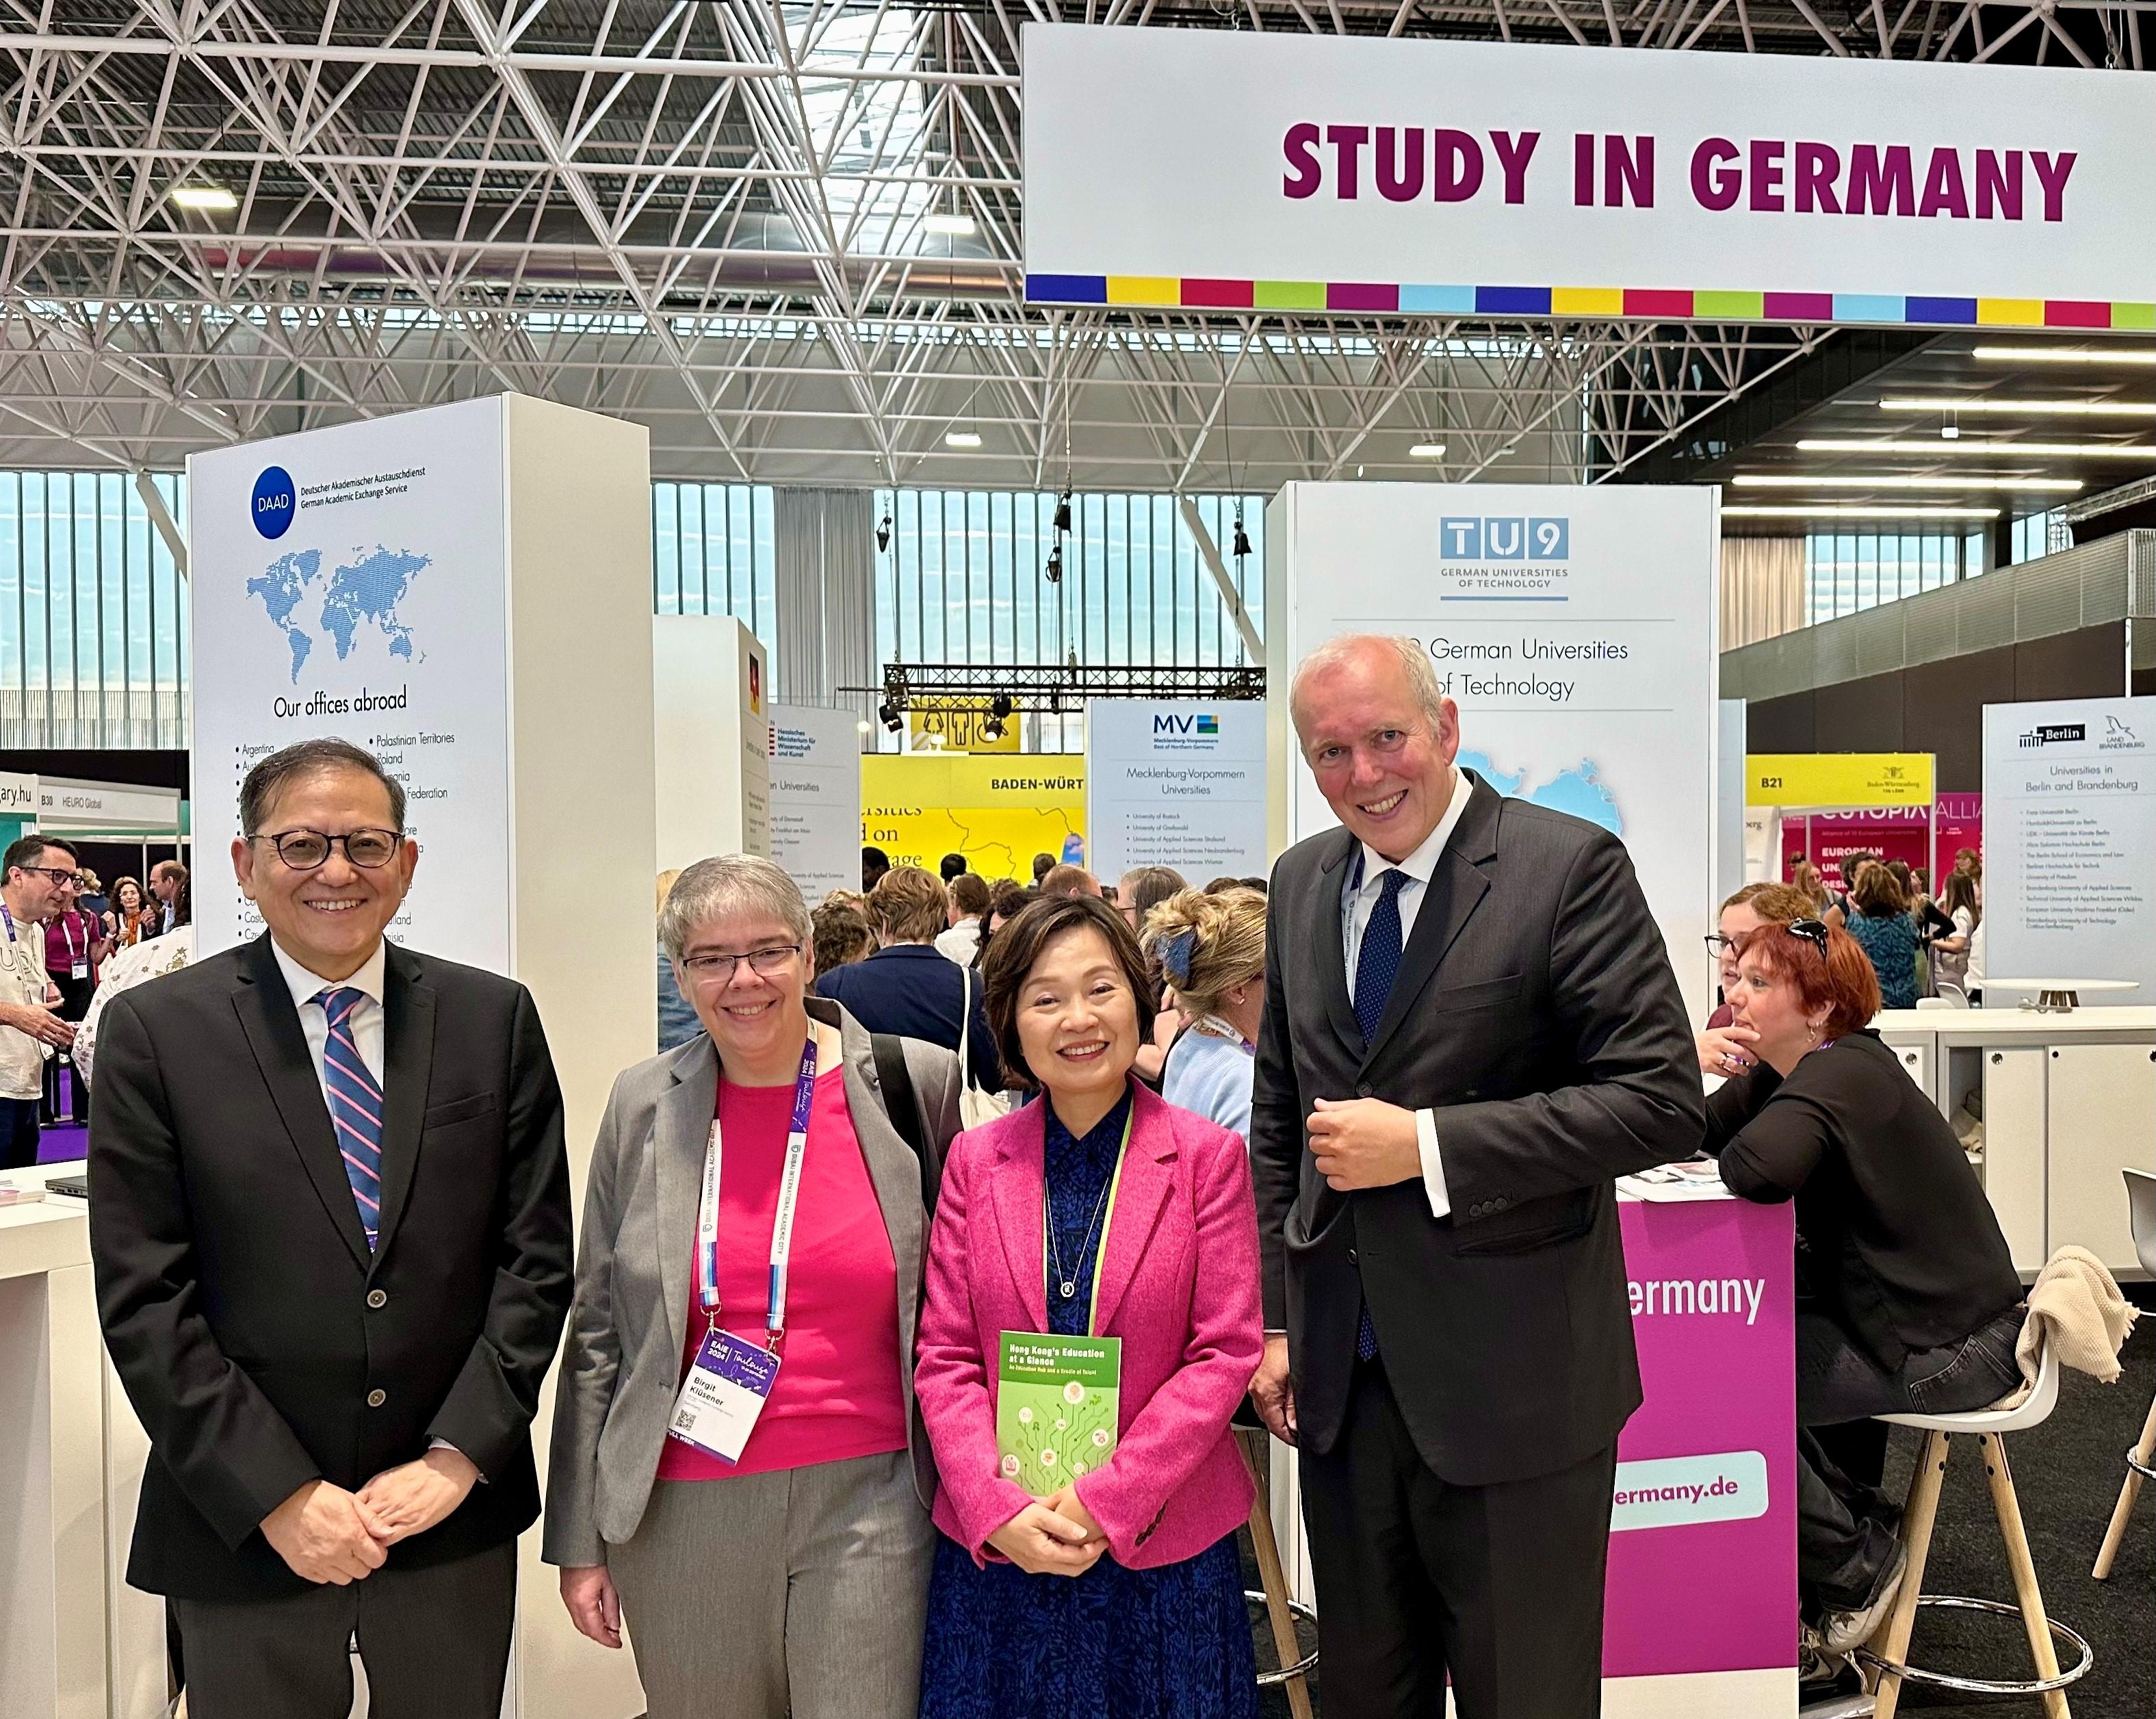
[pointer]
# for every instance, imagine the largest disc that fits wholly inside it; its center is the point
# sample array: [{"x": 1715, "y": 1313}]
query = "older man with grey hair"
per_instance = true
[
  {"x": 1471, "y": 1028},
  {"x": 737, "y": 1467}
]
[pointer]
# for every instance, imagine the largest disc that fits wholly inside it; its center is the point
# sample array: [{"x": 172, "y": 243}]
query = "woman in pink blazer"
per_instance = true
[{"x": 1110, "y": 1586}]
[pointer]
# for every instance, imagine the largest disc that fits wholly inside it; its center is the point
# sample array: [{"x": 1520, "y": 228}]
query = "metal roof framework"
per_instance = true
[{"x": 715, "y": 218}]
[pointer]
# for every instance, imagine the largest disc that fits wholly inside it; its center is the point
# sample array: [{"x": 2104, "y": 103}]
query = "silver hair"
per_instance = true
[
  {"x": 1414, "y": 664},
  {"x": 723, "y": 886}
]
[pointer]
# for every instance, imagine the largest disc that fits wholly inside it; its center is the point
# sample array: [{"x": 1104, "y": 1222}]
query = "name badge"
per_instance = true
[
  {"x": 81, "y": 970},
  {"x": 728, "y": 1383}
]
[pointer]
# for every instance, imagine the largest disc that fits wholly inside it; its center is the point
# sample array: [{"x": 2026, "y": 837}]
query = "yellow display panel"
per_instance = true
[
  {"x": 997, "y": 811},
  {"x": 1838, "y": 779}
]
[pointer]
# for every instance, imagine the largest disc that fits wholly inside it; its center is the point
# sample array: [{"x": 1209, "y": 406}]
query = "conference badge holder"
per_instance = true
[{"x": 731, "y": 1379}]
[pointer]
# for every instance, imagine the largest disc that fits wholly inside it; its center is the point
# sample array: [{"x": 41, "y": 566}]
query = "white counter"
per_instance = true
[
  {"x": 52, "y": 1441},
  {"x": 2068, "y": 1100}
]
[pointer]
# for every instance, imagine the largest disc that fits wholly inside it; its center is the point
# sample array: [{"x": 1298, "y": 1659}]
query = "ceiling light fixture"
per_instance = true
[
  {"x": 962, "y": 438},
  {"x": 1835, "y": 510},
  {"x": 950, "y": 226},
  {"x": 2063, "y": 409},
  {"x": 1949, "y": 432},
  {"x": 1895, "y": 480},
  {"x": 1985, "y": 447},
  {"x": 883, "y": 535},
  {"x": 204, "y": 197},
  {"x": 1427, "y": 450},
  {"x": 2065, "y": 354}
]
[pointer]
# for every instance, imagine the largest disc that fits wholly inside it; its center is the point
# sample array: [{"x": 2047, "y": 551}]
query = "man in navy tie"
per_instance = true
[
  {"x": 1471, "y": 1028},
  {"x": 329, "y": 1221}
]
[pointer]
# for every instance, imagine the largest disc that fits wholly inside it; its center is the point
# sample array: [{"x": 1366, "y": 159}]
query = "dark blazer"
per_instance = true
[
  {"x": 1900, "y": 1246},
  {"x": 247, "y": 1321},
  {"x": 912, "y": 990},
  {"x": 1536, "y": 1012}
]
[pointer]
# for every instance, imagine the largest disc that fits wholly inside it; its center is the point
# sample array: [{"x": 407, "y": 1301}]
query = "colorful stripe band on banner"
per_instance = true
[{"x": 1638, "y": 304}]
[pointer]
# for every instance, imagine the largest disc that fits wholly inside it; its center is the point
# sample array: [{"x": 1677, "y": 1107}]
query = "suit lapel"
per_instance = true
[
  {"x": 263, "y": 1003},
  {"x": 1455, "y": 889},
  {"x": 1331, "y": 948},
  {"x": 1149, "y": 1172},
  {"x": 680, "y": 1133},
  {"x": 408, "y": 1064},
  {"x": 1018, "y": 1189}
]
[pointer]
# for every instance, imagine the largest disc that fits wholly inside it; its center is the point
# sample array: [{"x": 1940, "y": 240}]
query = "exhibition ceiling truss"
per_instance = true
[
  {"x": 786, "y": 236},
  {"x": 972, "y": 687}
]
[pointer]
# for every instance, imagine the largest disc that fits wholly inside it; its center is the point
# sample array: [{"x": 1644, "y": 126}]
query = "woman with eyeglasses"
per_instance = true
[
  {"x": 1725, "y": 1049},
  {"x": 1909, "y": 1300},
  {"x": 738, "y": 1469}
]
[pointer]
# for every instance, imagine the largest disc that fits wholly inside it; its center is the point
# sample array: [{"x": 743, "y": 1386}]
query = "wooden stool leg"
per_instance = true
[
  {"x": 1917, "y": 1517},
  {"x": 1274, "y": 1580},
  {"x": 2026, "y": 1593},
  {"x": 2115, "y": 1535}
]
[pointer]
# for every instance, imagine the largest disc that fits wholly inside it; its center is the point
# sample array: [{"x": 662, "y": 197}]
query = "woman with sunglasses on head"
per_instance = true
[
  {"x": 737, "y": 1467},
  {"x": 1908, "y": 1302}
]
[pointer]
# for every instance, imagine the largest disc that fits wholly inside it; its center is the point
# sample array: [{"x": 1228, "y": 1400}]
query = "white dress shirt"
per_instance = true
[
  {"x": 1356, "y": 907},
  {"x": 366, "y": 1019}
]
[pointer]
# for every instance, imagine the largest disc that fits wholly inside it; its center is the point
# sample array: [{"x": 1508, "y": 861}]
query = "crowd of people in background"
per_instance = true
[{"x": 69, "y": 942}]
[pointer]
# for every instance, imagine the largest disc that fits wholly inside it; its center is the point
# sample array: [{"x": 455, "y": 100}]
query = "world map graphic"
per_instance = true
[
  {"x": 365, "y": 593},
  {"x": 1578, "y": 790}
]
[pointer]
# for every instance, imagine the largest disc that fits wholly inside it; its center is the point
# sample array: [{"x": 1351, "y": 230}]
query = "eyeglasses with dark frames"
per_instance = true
[
  {"x": 310, "y": 849},
  {"x": 706, "y": 969}
]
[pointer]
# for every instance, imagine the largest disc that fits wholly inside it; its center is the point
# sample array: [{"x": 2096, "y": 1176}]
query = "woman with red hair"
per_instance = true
[{"x": 1908, "y": 1302}]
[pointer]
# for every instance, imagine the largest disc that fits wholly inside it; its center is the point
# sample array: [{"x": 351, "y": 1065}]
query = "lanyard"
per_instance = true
[
  {"x": 1212, "y": 1026},
  {"x": 1105, "y": 1218},
  {"x": 67, "y": 935},
  {"x": 782, "y": 1228},
  {"x": 10, "y": 919}
]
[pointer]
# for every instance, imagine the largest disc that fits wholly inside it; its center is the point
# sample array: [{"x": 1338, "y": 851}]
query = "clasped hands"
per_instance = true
[
  {"x": 1052, "y": 1537},
  {"x": 328, "y": 1535}
]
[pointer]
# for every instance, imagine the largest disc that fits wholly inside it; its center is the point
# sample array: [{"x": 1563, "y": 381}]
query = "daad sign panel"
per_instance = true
[{"x": 1212, "y": 169}]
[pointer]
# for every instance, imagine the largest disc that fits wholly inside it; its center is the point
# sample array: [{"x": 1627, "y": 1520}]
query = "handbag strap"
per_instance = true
[{"x": 903, "y": 1108}]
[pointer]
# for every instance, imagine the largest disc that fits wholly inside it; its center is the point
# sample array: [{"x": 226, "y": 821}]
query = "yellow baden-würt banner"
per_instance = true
[
  {"x": 1838, "y": 779},
  {"x": 999, "y": 811}
]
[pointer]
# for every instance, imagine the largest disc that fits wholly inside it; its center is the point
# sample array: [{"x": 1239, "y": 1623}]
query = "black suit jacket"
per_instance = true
[
  {"x": 912, "y": 991},
  {"x": 1535, "y": 1013},
  {"x": 247, "y": 1321}
]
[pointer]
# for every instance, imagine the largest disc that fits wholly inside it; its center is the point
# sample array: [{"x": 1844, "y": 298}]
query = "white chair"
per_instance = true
[
  {"x": 2141, "y": 1459},
  {"x": 1887, "y": 1653}
]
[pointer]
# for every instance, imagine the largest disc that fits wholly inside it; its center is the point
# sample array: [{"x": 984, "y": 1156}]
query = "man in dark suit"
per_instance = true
[
  {"x": 909, "y": 988},
  {"x": 1471, "y": 1028},
  {"x": 330, "y": 1220}
]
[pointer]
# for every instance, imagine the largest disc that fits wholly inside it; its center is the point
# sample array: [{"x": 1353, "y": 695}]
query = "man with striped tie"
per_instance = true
[
  {"x": 330, "y": 1220},
  {"x": 1470, "y": 1029}
]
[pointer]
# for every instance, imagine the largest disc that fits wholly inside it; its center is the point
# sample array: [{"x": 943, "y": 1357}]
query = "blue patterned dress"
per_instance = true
[{"x": 1171, "y": 1643}]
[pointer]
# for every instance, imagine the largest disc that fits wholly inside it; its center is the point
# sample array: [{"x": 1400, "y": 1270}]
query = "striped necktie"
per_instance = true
[{"x": 354, "y": 1101}]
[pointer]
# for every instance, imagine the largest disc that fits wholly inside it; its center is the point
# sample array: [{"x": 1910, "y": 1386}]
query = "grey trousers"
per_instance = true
[{"x": 803, "y": 1590}]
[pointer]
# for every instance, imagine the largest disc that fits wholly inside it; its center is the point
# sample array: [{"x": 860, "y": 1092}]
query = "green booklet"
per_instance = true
[{"x": 1055, "y": 1407}]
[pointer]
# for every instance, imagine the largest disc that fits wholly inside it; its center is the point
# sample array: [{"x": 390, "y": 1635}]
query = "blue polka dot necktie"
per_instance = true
[
  {"x": 1378, "y": 962},
  {"x": 354, "y": 1101},
  {"x": 1376, "y": 965}
]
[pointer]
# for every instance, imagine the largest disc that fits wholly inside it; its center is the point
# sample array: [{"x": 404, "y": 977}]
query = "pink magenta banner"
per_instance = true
[
  {"x": 1961, "y": 825},
  {"x": 1902, "y": 833},
  {"x": 1704, "y": 1537}
]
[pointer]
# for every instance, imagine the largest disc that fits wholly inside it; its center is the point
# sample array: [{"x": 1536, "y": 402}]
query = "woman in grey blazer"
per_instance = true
[{"x": 738, "y": 1467}]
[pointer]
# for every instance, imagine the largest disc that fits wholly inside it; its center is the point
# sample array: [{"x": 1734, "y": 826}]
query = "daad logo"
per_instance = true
[
  {"x": 275, "y": 502},
  {"x": 1467, "y": 538},
  {"x": 1203, "y": 722}
]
